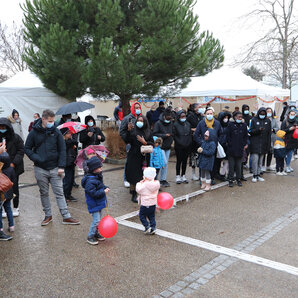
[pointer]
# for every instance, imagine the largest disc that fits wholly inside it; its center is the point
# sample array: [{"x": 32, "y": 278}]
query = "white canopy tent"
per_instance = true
[{"x": 26, "y": 93}]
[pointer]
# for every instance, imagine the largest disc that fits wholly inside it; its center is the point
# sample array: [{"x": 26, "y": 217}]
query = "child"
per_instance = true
[
  {"x": 206, "y": 159},
  {"x": 95, "y": 192},
  {"x": 147, "y": 190},
  {"x": 156, "y": 157},
  {"x": 9, "y": 172},
  {"x": 280, "y": 152},
  {"x": 88, "y": 155}
]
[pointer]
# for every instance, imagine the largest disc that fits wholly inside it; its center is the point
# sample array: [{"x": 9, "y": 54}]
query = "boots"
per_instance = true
[
  {"x": 208, "y": 187},
  {"x": 203, "y": 184},
  {"x": 134, "y": 196}
]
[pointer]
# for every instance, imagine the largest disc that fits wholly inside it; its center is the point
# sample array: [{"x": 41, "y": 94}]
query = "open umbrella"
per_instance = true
[
  {"x": 74, "y": 127},
  {"x": 100, "y": 150},
  {"x": 74, "y": 107}
]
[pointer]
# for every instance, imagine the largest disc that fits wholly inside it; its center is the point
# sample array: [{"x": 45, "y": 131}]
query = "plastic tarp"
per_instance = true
[
  {"x": 26, "y": 93},
  {"x": 230, "y": 82}
]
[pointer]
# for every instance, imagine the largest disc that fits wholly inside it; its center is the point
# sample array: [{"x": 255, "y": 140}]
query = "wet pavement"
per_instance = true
[{"x": 259, "y": 219}]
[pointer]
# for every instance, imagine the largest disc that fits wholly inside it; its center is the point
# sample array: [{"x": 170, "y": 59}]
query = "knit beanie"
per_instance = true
[
  {"x": 150, "y": 173},
  {"x": 94, "y": 163}
]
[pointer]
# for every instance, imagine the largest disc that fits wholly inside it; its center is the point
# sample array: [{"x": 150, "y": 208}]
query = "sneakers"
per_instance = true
[
  {"x": 152, "y": 231},
  {"x": 4, "y": 237},
  {"x": 15, "y": 212},
  {"x": 279, "y": 173},
  {"x": 260, "y": 179},
  {"x": 239, "y": 182},
  {"x": 288, "y": 170},
  {"x": 164, "y": 183},
  {"x": 98, "y": 237},
  {"x": 263, "y": 169},
  {"x": 70, "y": 221},
  {"x": 194, "y": 177},
  {"x": 291, "y": 169},
  {"x": 243, "y": 178},
  {"x": 46, "y": 220},
  {"x": 178, "y": 179},
  {"x": 296, "y": 156},
  {"x": 254, "y": 179},
  {"x": 71, "y": 199},
  {"x": 184, "y": 180},
  {"x": 126, "y": 184},
  {"x": 92, "y": 241},
  {"x": 3, "y": 214},
  {"x": 270, "y": 169},
  {"x": 147, "y": 230},
  {"x": 231, "y": 183},
  {"x": 284, "y": 174}
]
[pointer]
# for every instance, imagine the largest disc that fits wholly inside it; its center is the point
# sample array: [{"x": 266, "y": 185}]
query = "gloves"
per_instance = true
[{"x": 200, "y": 150}]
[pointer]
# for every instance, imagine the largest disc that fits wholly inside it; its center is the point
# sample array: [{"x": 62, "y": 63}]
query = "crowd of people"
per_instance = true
[{"x": 214, "y": 146}]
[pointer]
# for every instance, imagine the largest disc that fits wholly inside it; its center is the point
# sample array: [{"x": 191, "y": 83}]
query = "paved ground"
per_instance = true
[{"x": 239, "y": 242}]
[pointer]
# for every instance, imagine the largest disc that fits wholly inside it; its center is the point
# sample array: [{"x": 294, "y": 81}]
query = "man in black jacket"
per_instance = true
[
  {"x": 45, "y": 146},
  {"x": 15, "y": 150}
]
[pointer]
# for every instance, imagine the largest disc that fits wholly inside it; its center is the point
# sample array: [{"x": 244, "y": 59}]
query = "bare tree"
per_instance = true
[
  {"x": 254, "y": 73},
  {"x": 276, "y": 51},
  {"x": 12, "y": 47}
]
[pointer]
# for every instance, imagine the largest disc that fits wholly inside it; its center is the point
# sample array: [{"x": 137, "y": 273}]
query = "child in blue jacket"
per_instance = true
[
  {"x": 157, "y": 157},
  {"x": 95, "y": 192}
]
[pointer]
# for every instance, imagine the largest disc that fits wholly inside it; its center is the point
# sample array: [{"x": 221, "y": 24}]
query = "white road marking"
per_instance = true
[{"x": 217, "y": 248}]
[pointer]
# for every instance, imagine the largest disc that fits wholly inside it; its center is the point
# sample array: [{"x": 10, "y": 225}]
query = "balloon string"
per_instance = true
[{"x": 106, "y": 203}]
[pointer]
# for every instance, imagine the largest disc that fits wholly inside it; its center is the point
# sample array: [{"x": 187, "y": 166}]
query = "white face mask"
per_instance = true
[{"x": 225, "y": 120}]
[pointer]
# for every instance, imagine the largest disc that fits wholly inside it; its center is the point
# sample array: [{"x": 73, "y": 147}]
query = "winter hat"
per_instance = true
[
  {"x": 157, "y": 140},
  {"x": 207, "y": 133},
  {"x": 64, "y": 131},
  {"x": 94, "y": 163},
  {"x": 210, "y": 108},
  {"x": 90, "y": 151},
  {"x": 150, "y": 173}
]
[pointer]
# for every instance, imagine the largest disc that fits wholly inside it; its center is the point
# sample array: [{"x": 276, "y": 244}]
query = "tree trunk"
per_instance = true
[{"x": 125, "y": 104}]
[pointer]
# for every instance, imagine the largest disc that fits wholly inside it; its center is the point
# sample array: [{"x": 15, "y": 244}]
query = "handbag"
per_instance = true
[
  {"x": 5, "y": 182},
  {"x": 146, "y": 149},
  {"x": 220, "y": 151}
]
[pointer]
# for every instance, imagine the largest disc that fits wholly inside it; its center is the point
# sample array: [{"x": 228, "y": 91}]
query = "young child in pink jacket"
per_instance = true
[{"x": 147, "y": 190}]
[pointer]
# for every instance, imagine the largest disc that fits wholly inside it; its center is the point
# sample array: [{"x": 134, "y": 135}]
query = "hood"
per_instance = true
[
  {"x": 132, "y": 109},
  {"x": 260, "y": 110},
  {"x": 222, "y": 115},
  {"x": 4, "y": 157},
  {"x": 89, "y": 117},
  {"x": 12, "y": 120},
  {"x": 212, "y": 135},
  {"x": 84, "y": 180},
  {"x": 10, "y": 131},
  {"x": 179, "y": 113},
  {"x": 244, "y": 107},
  {"x": 280, "y": 134}
]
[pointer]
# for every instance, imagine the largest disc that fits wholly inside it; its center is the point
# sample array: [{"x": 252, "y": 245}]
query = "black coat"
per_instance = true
[
  {"x": 93, "y": 140},
  {"x": 260, "y": 140},
  {"x": 9, "y": 172},
  {"x": 182, "y": 135},
  {"x": 237, "y": 137},
  {"x": 71, "y": 152},
  {"x": 246, "y": 117},
  {"x": 14, "y": 146},
  {"x": 161, "y": 129},
  {"x": 46, "y": 147},
  {"x": 291, "y": 143},
  {"x": 135, "y": 159}
]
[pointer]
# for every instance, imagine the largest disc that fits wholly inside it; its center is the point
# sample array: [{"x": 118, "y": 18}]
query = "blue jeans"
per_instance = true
[
  {"x": 7, "y": 208},
  {"x": 96, "y": 216},
  {"x": 164, "y": 171},
  {"x": 289, "y": 154},
  {"x": 127, "y": 148},
  {"x": 147, "y": 212}
]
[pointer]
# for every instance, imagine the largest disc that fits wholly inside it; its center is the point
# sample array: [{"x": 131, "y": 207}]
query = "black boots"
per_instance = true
[{"x": 134, "y": 196}]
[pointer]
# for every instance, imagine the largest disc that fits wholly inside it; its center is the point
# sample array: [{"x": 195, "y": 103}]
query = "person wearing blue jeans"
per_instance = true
[
  {"x": 164, "y": 170},
  {"x": 7, "y": 207},
  {"x": 96, "y": 217}
]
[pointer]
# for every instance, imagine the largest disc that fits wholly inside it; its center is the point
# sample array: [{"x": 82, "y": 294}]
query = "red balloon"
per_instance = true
[
  {"x": 108, "y": 227},
  {"x": 295, "y": 134},
  {"x": 165, "y": 200}
]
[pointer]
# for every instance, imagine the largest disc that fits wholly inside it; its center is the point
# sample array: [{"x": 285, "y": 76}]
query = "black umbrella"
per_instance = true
[{"x": 74, "y": 107}]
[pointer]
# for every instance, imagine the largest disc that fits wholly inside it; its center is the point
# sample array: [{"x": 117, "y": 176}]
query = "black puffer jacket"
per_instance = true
[
  {"x": 182, "y": 133},
  {"x": 14, "y": 146},
  {"x": 46, "y": 147},
  {"x": 246, "y": 117},
  {"x": 161, "y": 129},
  {"x": 291, "y": 143},
  {"x": 260, "y": 134}
]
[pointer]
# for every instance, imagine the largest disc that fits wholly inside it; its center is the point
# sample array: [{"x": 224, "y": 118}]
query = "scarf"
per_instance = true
[{"x": 209, "y": 123}]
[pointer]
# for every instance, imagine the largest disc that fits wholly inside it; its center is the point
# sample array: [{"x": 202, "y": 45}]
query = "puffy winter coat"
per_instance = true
[
  {"x": 94, "y": 192},
  {"x": 14, "y": 146},
  {"x": 182, "y": 134},
  {"x": 201, "y": 129},
  {"x": 246, "y": 117},
  {"x": 156, "y": 158},
  {"x": 237, "y": 137},
  {"x": 148, "y": 191},
  {"x": 260, "y": 134},
  {"x": 161, "y": 129},
  {"x": 46, "y": 147},
  {"x": 206, "y": 159}
]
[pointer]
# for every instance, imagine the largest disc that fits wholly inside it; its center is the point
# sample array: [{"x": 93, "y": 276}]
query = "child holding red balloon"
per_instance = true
[
  {"x": 95, "y": 192},
  {"x": 147, "y": 190}
]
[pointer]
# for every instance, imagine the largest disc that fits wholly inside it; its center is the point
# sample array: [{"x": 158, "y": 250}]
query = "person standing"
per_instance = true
[
  {"x": 183, "y": 140},
  {"x": 260, "y": 142},
  {"x": 15, "y": 150},
  {"x": 163, "y": 128},
  {"x": 284, "y": 111},
  {"x": 45, "y": 146},
  {"x": 16, "y": 123},
  {"x": 289, "y": 125},
  {"x": 237, "y": 137},
  {"x": 36, "y": 116},
  {"x": 118, "y": 114}
]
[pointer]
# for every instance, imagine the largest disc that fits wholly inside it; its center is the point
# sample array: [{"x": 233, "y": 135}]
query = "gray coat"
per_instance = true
[{"x": 274, "y": 129}]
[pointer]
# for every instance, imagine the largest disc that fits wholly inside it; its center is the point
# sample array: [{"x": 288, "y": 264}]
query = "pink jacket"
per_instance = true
[{"x": 148, "y": 191}]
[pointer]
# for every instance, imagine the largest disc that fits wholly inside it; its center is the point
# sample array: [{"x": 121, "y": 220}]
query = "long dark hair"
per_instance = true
[{"x": 146, "y": 130}]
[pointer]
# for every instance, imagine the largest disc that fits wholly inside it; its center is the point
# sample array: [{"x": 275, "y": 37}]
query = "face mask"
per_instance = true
[
  {"x": 50, "y": 125},
  {"x": 182, "y": 119},
  {"x": 68, "y": 120},
  {"x": 140, "y": 124},
  {"x": 90, "y": 123},
  {"x": 201, "y": 110},
  {"x": 262, "y": 116},
  {"x": 269, "y": 114},
  {"x": 167, "y": 121},
  {"x": 225, "y": 120},
  {"x": 138, "y": 111},
  {"x": 292, "y": 117},
  {"x": 3, "y": 130},
  {"x": 209, "y": 117},
  {"x": 238, "y": 121},
  {"x": 292, "y": 108},
  {"x": 246, "y": 112}
]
